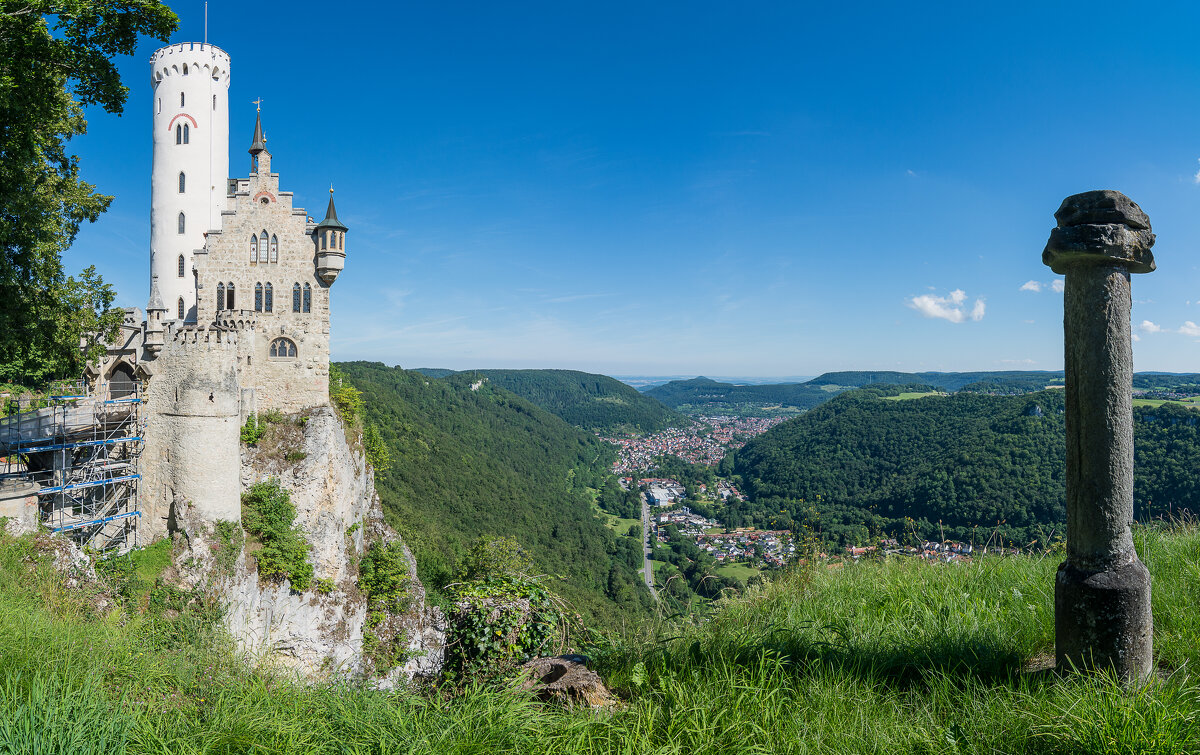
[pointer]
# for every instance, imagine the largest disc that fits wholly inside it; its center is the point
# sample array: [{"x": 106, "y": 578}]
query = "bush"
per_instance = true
[
  {"x": 383, "y": 576},
  {"x": 496, "y": 557},
  {"x": 253, "y": 430},
  {"x": 498, "y": 623},
  {"x": 378, "y": 455},
  {"x": 269, "y": 516},
  {"x": 345, "y": 397}
]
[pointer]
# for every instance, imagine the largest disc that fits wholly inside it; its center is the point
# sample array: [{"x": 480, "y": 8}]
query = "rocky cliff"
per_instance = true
[{"x": 317, "y": 632}]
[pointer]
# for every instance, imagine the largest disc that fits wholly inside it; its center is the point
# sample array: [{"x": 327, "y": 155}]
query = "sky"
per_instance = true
[{"x": 699, "y": 188}]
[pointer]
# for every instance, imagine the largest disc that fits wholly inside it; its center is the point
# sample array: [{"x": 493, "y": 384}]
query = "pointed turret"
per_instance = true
[
  {"x": 330, "y": 239},
  {"x": 152, "y": 338},
  {"x": 258, "y": 145}
]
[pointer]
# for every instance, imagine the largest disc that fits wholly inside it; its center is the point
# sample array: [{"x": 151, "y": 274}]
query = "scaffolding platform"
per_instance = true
[{"x": 80, "y": 451}]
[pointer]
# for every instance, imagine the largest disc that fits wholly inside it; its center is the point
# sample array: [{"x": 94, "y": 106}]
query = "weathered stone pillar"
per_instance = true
[{"x": 1102, "y": 592}]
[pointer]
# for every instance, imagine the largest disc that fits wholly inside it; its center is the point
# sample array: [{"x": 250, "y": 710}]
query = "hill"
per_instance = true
[
  {"x": 701, "y": 395},
  {"x": 956, "y": 464},
  {"x": 593, "y": 402},
  {"x": 881, "y": 656},
  {"x": 479, "y": 460}
]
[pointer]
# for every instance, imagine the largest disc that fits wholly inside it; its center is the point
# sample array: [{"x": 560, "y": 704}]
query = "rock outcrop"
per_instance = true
[{"x": 318, "y": 632}]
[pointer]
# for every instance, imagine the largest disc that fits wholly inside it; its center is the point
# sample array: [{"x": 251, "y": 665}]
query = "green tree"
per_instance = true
[{"x": 55, "y": 59}]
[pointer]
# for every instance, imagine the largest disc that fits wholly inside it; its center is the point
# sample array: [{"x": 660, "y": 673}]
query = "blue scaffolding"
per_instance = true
[{"x": 81, "y": 449}]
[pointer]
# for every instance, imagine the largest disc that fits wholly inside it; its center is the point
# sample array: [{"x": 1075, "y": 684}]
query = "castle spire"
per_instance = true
[
  {"x": 156, "y": 300},
  {"x": 259, "y": 143}
]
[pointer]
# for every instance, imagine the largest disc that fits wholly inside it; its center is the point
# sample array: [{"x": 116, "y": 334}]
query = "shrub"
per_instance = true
[
  {"x": 491, "y": 557},
  {"x": 383, "y": 576},
  {"x": 295, "y": 456},
  {"x": 378, "y": 455},
  {"x": 268, "y": 515},
  {"x": 253, "y": 430},
  {"x": 345, "y": 397},
  {"x": 499, "y": 622}
]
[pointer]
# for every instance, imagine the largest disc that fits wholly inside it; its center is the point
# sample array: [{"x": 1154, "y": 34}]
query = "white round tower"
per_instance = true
[{"x": 190, "y": 166}]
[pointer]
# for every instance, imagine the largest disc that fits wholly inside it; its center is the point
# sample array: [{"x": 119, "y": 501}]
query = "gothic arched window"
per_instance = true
[
  {"x": 182, "y": 181},
  {"x": 262, "y": 246},
  {"x": 185, "y": 133},
  {"x": 274, "y": 248},
  {"x": 268, "y": 299},
  {"x": 295, "y": 297},
  {"x": 185, "y": 69},
  {"x": 229, "y": 296},
  {"x": 182, "y": 222},
  {"x": 342, "y": 241},
  {"x": 180, "y": 308},
  {"x": 220, "y": 296},
  {"x": 253, "y": 248},
  {"x": 258, "y": 297},
  {"x": 179, "y": 272},
  {"x": 283, "y": 348},
  {"x": 324, "y": 239},
  {"x": 181, "y": 99},
  {"x": 179, "y": 134},
  {"x": 307, "y": 298}
]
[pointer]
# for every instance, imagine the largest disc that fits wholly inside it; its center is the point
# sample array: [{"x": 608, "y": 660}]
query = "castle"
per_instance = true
[{"x": 238, "y": 317}]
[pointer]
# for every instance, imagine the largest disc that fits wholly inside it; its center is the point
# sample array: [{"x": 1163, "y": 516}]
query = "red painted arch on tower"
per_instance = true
[
  {"x": 181, "y": 115},
  {"x": 262, "y": 194}
]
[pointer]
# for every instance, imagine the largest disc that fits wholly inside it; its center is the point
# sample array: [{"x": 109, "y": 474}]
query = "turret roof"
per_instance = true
[
  {"x": 259, "y": 144},
  {"x": 331, "y": 218},
  {"x": 156, "y": 301}
]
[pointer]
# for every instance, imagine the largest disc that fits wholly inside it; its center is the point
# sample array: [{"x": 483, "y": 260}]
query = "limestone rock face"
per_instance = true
[{"x": 311, "y": 633}]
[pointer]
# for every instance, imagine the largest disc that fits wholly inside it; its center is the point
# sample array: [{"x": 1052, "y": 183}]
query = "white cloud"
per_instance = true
[
  {"x": 1031, "y": 286},
  {"x": 1136, "y": 337},
  {"x": 950, "y": 307},
  {"x": 1190, "y": 329},
  {"x": 977, "y": 310},
  {"x": 1150, "y": 327},
  {"x": 1196, "y": 177},
  {"x": 1057, "y": 285}
]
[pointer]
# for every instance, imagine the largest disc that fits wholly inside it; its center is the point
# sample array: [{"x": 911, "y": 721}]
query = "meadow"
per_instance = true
[{"x": 871, "y": 657}]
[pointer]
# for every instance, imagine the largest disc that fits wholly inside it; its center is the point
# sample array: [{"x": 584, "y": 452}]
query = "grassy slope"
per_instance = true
[{"x": 881, "y": 658}]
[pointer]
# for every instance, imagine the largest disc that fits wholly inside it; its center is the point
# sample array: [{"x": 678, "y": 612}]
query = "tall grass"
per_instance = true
[{"x": 892, "y": 657}]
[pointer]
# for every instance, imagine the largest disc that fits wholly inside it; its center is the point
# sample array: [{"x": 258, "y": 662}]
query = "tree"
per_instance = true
[{"x": 55, "y": 59}]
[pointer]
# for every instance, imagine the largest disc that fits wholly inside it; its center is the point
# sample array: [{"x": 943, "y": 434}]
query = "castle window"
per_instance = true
[
  {"x": 180, "y": 308},
  {"x": 185, "y": 69},
  {"x": 181, "y": 99},
  {"x": 182, "y": 181},
  {"x": 342, "y": 241},
  {"x": 307, "y": 298},
  {"x": 180, "y": 270},
  {"x": 262, "y": 246},
  {"x": 214, "y": 99},
  {"x": 160, "y": 104},
  {"x": 253, "y": 248},
  {"x": 229, "y": 296},
  {"x": 324, "y": 239},
  {"x": 295, "y": 297},
  {"x": 179, "y": 134},
  {"x": 283, "y": 348},
  {"x": 274, "y": 248},
  {"x": 185, "y": 133},
  {"x": 220, "y": 296},
  {"x": 258, "y": 297},
  {"x": 268, "y": 299},
  {"x": 182, "y": 222}
]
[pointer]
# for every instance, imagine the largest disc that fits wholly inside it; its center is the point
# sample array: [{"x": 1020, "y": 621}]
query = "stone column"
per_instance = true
[{"x": 1102, "y": 592}]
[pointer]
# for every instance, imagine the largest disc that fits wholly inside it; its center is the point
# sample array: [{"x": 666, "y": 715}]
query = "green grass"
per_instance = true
[
  {"x": 738, "y": 571},
  {"x": 909, "y": 395},
  {"x": 894, "y": 657},
  {"x": 1191, "y": 403}
]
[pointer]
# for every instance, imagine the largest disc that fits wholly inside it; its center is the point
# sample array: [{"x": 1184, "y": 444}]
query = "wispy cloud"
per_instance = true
[
  {"x": 1150, "y": 327},
  {"x": 952, "y": 307},
  {"x": 1055, "y": 285},
  {"x": 1196, "y": 177},
  {"x": 1190, "y": 329}
]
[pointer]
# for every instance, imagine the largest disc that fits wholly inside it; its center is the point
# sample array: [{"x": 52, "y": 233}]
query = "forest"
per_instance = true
[
  {"x": 486, "y": 462},
  {"x": 966, "y": 466},
  {"x": 593, "y": 402}
]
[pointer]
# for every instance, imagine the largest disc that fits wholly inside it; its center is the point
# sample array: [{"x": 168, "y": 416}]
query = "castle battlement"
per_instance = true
[
  {"x": 200, "y": 56},
  {"x": 237, "y": 319},
  {"x": 210, "y": 337}
]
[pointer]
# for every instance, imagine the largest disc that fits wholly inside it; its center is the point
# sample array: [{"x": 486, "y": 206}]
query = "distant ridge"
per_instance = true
[
  {"x": 593, "y": 402},
  {"x": 701, "y": 392}
]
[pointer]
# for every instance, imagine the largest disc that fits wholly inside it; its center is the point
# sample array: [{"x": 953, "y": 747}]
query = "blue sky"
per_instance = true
[{"x": 700, "y": 188}]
